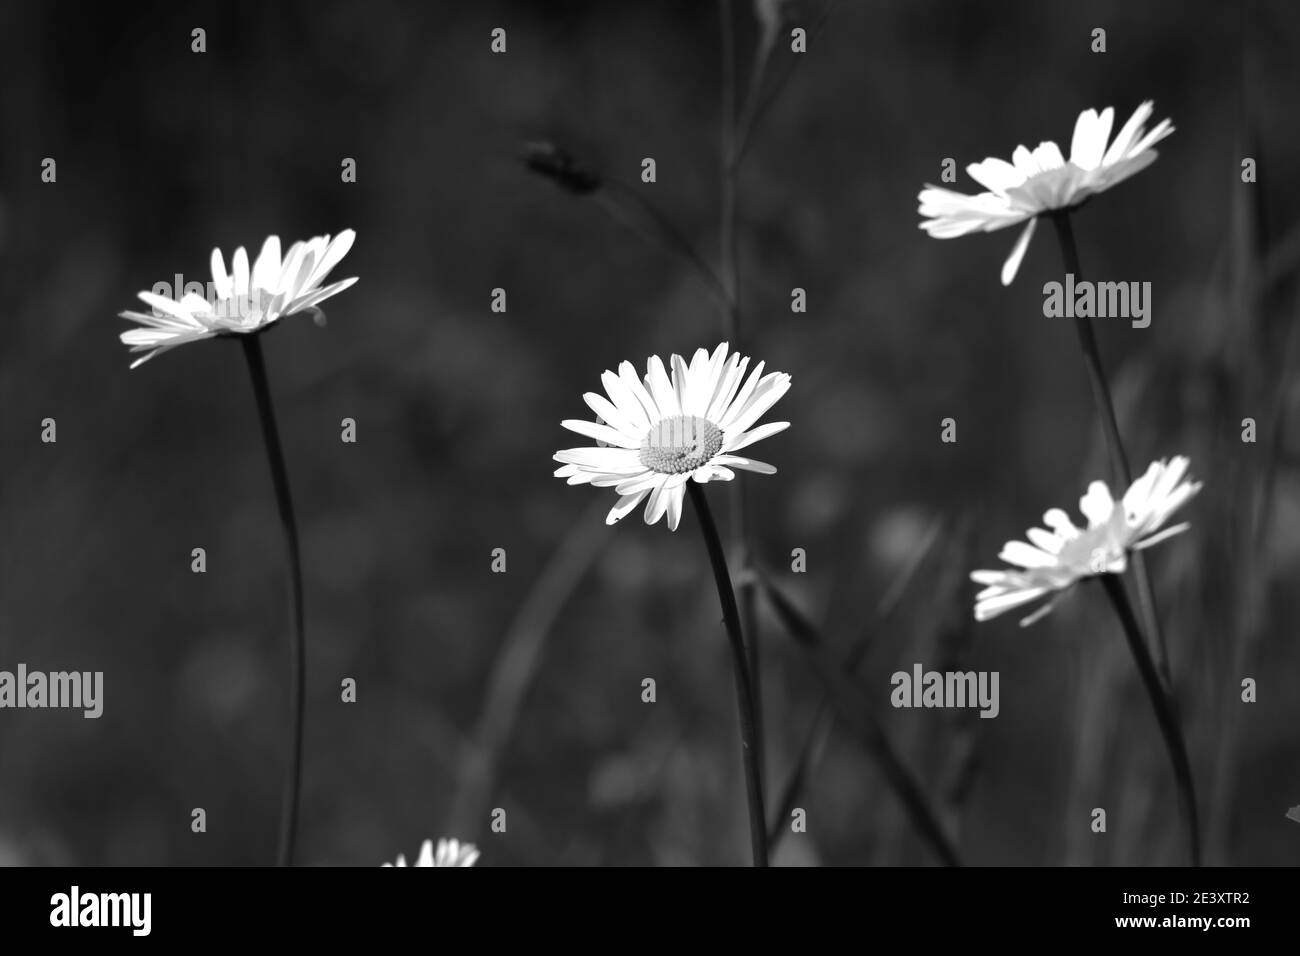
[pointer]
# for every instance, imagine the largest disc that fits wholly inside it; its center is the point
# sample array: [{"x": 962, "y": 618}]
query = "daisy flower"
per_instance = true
[
  {"x": 1053, "y": 560},
  {"x": 656, "y": 433},
  {"x": 449, "y": 853},
  {"x": 1042, "y": 181},
  {"x": 242, "y": 301}
]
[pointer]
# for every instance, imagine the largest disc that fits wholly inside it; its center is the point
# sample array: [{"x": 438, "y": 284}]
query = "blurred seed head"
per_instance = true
[{"x": 547, "y": 159}]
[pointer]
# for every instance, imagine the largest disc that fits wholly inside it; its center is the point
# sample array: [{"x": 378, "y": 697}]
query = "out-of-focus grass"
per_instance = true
[{"x": 459, "y": 408}]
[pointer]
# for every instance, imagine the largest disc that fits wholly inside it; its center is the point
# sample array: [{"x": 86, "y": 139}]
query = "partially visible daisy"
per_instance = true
[
  {"x": 1042, "y": 181},
  {"x": 656, "y": 433},
  {"x": 449, "y": 853},
  {"x": 243, "y": 301},
  {"x": 1056, "y": 559}
]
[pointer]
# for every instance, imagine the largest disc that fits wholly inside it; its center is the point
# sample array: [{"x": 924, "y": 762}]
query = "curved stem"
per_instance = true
[
  {"x": 297, "y": 642},
  {"x": 1121, "y": 474},
  {"x": 1164, "y": 707},
  {"x": 744, "y": 695},
  {"x": 754, "y": 115},
  {"x": 627, "y": 206}
]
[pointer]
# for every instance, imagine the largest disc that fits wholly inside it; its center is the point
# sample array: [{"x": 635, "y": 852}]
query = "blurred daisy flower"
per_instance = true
[
  {"x": 241, "y": 301},
  {"x": 1042, "y": 181},
  {"x": 1053, "y": 560},
  {"x": 654, "y": 434},
  {"x": 449, "y": 853}
]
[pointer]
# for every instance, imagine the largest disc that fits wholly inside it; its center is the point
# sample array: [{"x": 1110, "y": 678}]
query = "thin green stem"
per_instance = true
[
  {"x": 297, "y": 641},
  {"x": 1166, "y": 710},
  {"x": 1121, "y": 474},
  {"x": 744, "y": 694}
]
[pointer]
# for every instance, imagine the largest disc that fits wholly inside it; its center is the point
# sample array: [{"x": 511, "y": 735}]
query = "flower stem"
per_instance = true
[
  {"x": 1165, "y": 709},
  {"x": 297, "y": 643},
  {"x": 1121, "y": 474},
  {"x": 744, "y": 695},
  {"x": 729, "y": 275}
]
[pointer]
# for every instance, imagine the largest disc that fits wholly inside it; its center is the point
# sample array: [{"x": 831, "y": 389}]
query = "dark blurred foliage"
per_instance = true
[{"x": 163, "y": 154}]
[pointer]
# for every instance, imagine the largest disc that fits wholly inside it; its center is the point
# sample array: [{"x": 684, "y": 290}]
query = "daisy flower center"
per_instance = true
[{"x": 680, "y": 444}]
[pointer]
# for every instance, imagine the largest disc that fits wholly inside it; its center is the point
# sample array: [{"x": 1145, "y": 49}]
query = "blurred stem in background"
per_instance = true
[
  {"x": 740, "y": 664},
  {"x": 630, "y": 207},
  {"x": 736, "y": 132},
  {"x": 517, "y": 661},
  {"x": 623, "y": 204},
  {"x": 845, "y": 696},
  {"x": 297, "y": 641},
  {"x": 729, "y": 267},
  {"x": 913, "y": 797},
  {"x": 1121, "y": 474},
  {"x": 1163, "y": 704}
]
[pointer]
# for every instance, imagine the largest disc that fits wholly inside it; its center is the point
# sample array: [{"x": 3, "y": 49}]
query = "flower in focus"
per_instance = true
[
  {"x": 449, "y": 853},
  {"x": 1041, "y": 180},
  {"x": 654, "y": 434},
  {"x": 1053, "y": 560},
  {"x": 241, "y": 301}
]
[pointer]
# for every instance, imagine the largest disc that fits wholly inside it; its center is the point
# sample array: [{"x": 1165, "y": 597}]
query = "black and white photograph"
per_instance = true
[{"x": 651, "y": 433}]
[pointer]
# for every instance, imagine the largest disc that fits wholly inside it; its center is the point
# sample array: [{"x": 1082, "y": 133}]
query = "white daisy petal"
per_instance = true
[
  {"x": 658, "y": 504},
  {"x": 1161, "y": 536},
  {"x": 748, "y": 438},
  {"x": 992, "y": 607},
  {"x": 626, "y": 504},
  {"x": 1044, "y": 540},
  {"x": 627, "y": 411},
  {"x": 168, "y": 307},
  {"x": 733, "y": 375},
  {"x": 675, "y": 496},
  {"x": 1012, "y": 265},
  {"x": 302, "y": 303},
  {"x": 610, "y": 459},
  {"x": 1089, "y": 145},
  {"x": 222, "y": 284},
  {"x": 745, "y": 464},
  {"x": 1060, "y": 522},
  {"x": 1162, "y": 129},
  {"x": 737, "y": 404},
  {"x": 336, "y": 249},
  {"x": 611, "y": 415},
  {"x": 266, "y": 270},
  {"x": 1026, "y": 556},
  {"x": 630, "y": 485},
  {"x": 636, "y": 388},
  {"x": 1129, "y": 133},
  {"x": 768, "y": 393},
  {"x": 996, "y": 175},
  {"x": 661, "y": 387},
  {"x": 713, "y": 473},
  {"x": 240, "y": 267},
  {"x": 611, "y": 436},
  {"x": 1097, "y": 505}
]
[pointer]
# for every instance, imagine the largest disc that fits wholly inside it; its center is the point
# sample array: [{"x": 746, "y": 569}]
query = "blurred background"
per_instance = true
[{"x": 522, "y": 690}]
